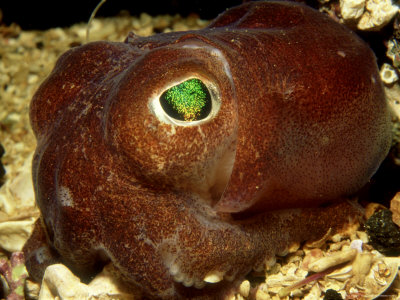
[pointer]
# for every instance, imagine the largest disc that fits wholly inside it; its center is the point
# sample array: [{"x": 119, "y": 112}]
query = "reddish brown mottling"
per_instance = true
[{"x": 299, "y": 120}]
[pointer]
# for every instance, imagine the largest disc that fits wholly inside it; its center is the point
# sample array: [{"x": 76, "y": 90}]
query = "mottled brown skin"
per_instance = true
[{"x": 302, "y": 113}]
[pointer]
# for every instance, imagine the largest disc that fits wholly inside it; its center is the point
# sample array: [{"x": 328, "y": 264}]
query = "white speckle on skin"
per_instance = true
[
  {"x": 172, "y": 131},
  {"x": 325, "y": 140},
  {"x": 110, "y": 177},
  {"x": 160, "y": 166},
  {"x": 84, "y": 112},
  {"x": 99, "y": 188},
  {"x": 201, "y": 132},
  {"x": 341, "y": 53},
  {"x": 373, "y": 80},
  {"x": 65, "y": 197},
  {"x": 388, "y": 74}
]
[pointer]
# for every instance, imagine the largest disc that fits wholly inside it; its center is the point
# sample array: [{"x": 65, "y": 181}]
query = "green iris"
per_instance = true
[{"x": 187, "y": 101}]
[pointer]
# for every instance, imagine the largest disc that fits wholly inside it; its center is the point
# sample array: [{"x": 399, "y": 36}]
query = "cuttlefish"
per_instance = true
[{"x": 187, "y": 159}]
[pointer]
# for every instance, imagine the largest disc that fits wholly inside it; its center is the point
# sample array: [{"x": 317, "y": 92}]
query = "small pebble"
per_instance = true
[
  {"x": 332, "y": 295},
  {"x": 384, "y": 234}
]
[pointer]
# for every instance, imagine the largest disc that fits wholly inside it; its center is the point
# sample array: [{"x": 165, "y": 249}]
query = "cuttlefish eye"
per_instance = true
[{"x": 187, "y": 101}]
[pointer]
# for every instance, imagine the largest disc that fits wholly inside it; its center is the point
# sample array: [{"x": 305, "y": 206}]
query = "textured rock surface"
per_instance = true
[{"x": 368, "y": 14}]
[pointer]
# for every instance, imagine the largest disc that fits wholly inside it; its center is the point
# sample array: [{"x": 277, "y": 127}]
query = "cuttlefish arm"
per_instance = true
[{"x": 199, "y": 254}]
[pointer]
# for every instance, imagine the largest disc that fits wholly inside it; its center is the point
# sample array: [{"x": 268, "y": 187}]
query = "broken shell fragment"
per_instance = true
[
  {"x": 261, "y": 295},
  {"x": 377, "y": 283},
  {"x": 60, "y": 283},
  {"x": 395, "y": 208},
  {"x": 378, "y": 13},
  {"x": 388, "y": 74},
  {"x": 361, "y": 267},
  {"x": 341, "y": 274},
  {"x": 333, "y": 260},
  {"x": 369, "y": 14},
  {"x": 351, "y": 9}
]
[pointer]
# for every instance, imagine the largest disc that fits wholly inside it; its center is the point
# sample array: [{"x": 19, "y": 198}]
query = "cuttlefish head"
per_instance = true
[{"x": 175, "y": 121}]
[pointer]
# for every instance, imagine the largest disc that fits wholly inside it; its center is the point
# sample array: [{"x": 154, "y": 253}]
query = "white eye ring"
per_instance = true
[{"x": 157, "y": 110}]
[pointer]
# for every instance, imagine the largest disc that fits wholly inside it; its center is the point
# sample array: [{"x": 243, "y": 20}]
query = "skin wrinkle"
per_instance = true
[{"x": 299, "y": 128}]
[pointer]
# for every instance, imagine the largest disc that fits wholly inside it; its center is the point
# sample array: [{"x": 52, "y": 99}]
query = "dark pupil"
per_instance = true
[{"x": 187, "y": 101}]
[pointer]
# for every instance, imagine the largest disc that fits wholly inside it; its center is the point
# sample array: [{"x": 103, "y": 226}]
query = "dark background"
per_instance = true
[
  {"x": 42, "y": 14},
  {"x": 45, "y": 14}
]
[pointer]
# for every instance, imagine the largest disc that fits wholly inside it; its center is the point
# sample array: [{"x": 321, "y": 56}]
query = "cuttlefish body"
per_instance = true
[{"x": 192, "y": 157}]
